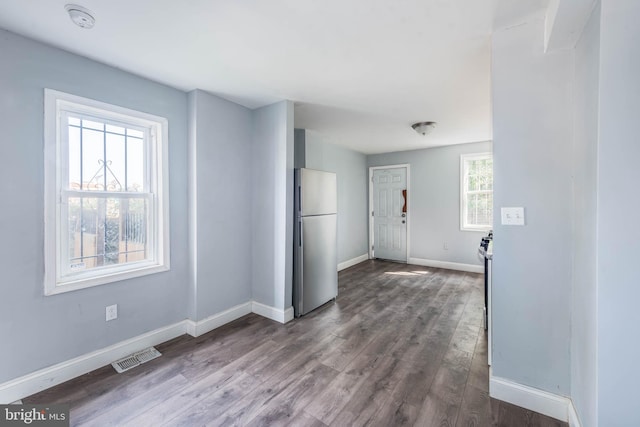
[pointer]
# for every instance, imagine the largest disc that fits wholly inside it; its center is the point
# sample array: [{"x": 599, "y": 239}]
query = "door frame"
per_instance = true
[{"x": 407, "y": 166}]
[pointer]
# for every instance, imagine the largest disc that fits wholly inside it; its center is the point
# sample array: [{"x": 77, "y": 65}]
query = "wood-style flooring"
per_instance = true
[{"x": 402, "y": 345}]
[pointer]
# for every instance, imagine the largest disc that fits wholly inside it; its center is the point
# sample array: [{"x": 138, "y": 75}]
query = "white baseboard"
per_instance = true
[
  {"x": 546, "y": 403},
  {"x": 201, "y": 327},
  {"x": 352, "y": 262},
  {"x": 29, "y": 384},
  {"x": 288, "y": 315},
  {"x": 282, "y": 316},
  {"x": 16, "y": 389},
  {"x": 195, "y": 329},
  {"x": 448, "y": 265},
  {"x": 574, "y": 420}
]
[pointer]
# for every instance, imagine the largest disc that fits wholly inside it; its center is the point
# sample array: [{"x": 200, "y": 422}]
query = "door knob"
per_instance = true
[{"x": 403, "y": 215}]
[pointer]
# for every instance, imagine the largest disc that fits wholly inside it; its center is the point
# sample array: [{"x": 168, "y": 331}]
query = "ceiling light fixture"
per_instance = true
[
  {"x": 80, "y": 16},
  {"x": 423, "y": 128}
]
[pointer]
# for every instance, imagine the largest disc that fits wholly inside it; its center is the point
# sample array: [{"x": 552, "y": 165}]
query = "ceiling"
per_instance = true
[{"x": 360, "y": 72}]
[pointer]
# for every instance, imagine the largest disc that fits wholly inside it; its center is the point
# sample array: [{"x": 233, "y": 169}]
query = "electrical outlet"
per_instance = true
[
  {"x": 445, "y": 246},
  {"x": 112, "y": 312}
]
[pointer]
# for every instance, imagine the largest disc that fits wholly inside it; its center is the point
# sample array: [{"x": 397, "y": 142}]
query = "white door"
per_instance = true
[{"x": 390, "y": 214}]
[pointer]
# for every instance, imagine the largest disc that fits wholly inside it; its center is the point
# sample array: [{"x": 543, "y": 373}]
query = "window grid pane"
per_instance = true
[
  {"x": 105, "y": 157},
  {"x": 106, "y": 210},
  {"x": 104, "y": 231},
  {"x": 478, "y": 192},
  {"x": 107, "y": 231},
  {"x": 479, "y": 209}
]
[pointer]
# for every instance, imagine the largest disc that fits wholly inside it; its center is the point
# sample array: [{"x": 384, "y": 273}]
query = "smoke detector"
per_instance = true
[
  {"x": 423, "y": 128},
  {"x": 80, "y": 16}
]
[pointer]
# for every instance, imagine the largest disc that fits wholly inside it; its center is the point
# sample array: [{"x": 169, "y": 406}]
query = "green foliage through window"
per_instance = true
[{"x": 477, "y": 191}]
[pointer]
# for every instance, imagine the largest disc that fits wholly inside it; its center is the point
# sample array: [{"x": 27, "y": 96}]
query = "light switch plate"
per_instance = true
[{"x": 512, "y": 216}]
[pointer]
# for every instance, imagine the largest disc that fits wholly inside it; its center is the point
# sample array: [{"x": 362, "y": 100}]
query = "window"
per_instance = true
[
  {"x": 106, "y": 193},
  {"x": 476, "y": 193}
]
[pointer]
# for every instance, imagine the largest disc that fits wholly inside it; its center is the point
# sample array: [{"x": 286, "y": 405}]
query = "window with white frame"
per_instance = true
[
  {"x": 476, "y": 192},
  {"x": 106, "y": 193}
]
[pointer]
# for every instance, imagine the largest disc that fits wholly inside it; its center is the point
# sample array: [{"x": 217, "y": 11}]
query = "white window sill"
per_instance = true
[
  {"x": 103, "y": 279},
  {"x": 477, "y": 230}
]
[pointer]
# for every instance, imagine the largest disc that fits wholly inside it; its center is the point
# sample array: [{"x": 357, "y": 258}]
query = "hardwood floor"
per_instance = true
[{"x": 402, "y": 345}]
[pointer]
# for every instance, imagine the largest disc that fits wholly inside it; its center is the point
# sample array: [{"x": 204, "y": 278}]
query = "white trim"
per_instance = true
[
  {"x": 57, "y": 279},
  {"x": 192, "y": 203},
  {"x": 353, "y": 261},
  {"x": 489, "y": 282},
  {"x": 18, "y": 388},
  {"x": 546, "y": 403},
  {"x": 201, "y": 327},
  {"x": 472, "y": 268},
  {"x": 48, "y": 377},
  {"x": 407, "y": 166},
  {"x": 282, "y": 316},
  {"x": 574, "y": 419},
  {"x": 371, "y": 225},
  {"x": 107, "y": 277}
]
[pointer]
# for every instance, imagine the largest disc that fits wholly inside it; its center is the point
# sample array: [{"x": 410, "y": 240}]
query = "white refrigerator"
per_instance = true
[{"x": 315, "y": 263}]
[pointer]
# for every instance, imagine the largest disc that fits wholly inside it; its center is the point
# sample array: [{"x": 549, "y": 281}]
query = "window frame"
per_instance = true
[
  {"x": 463, "y": 191},
  {"x": 57, "y": 106}
]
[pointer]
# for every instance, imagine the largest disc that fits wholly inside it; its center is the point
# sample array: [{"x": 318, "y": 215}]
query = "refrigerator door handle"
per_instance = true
[{"x": 298, "y": 289}]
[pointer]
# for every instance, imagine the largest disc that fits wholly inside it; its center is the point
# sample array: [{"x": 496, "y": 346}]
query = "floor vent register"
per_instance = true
[{"x": 135, "y": 359}]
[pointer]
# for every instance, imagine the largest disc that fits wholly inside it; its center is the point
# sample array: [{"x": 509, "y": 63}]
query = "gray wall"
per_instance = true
[
  {"x": 351, "y": 170},
  {"x": 434, "y": 202},
  {"x": 299, "y": 148},
  {"x": 272, "y": 204},
  {"x": 39, "y": 331},
  {"x": 532, "y": 147},
  {"x": 583, "y": 305},
  {"x": 618, "y": 203},
  {"x": 231, "y": 194},
  {"x": 220, "y": 196}
]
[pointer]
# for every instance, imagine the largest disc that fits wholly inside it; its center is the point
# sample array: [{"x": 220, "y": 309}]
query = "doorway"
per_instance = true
[{"x": 389, "y": 206}]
